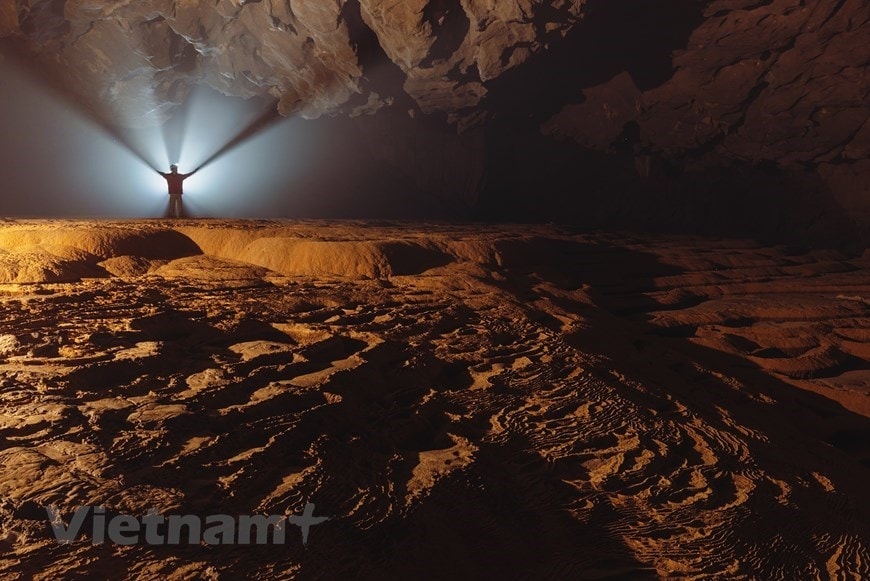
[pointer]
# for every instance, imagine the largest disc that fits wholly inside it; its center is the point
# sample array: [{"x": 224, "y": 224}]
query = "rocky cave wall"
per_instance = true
[{"x": 593, "y": 111}]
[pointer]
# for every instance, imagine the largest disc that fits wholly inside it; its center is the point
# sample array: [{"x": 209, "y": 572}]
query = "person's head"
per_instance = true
[{"x": 173, "y": 168}]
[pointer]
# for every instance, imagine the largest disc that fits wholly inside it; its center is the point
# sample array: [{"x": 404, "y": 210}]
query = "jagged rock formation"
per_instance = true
[
  {"x": 308, "y": 55},
  {"x": 777, "y": 81},
  {"x": 691, "y": 84},
  {"x": 772, "y": 80}
]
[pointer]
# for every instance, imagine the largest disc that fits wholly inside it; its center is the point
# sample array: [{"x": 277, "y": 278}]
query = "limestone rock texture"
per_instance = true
[
  {"x": 692, "y": 84},
  {"x": 782, "y": 81},
  {"x": 310, "y": 56}
]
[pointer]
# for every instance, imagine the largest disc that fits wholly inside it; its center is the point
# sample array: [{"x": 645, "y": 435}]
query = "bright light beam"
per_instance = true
[
  {"x": 58, "y": 162},
  {"x": 21, "y": 67},
  {"x": 260, "y": 124},
  {"x": 69, "y": 162},
  {"x": 253, "y": 178},
  {"x": 210, "y": 124}
]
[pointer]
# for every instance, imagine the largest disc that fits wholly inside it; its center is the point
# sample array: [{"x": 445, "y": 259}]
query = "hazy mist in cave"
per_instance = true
[{"x": 60, "y": 162}]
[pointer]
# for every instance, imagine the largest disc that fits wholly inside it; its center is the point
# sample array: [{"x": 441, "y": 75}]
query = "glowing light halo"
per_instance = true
[
  {"x": 65, "y": 163},
  {"x": 219, "y": 187},
  {"x": 129, "y": 187},
  {"x": 148, "y": 142},
  {"x": 247, "y": 180},
  {"x": 211, "y": 121},
  {"x": 101, "y": 171},
  {"x": 209, "y": 126}
]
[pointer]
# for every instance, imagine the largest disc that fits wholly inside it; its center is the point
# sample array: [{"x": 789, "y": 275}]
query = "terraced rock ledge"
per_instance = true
[{"x": 462, "y": 401}]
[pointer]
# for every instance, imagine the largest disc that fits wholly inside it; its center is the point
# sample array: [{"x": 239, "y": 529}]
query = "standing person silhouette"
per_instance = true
[{"x": 174, "y": 180}]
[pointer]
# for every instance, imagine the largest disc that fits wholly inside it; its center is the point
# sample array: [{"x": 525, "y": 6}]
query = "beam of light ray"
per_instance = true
[
  {"x": 260, "y": 124},
  {"x": 67, "y": 163},
  {"x": 50, "y": 81},
  {"x": 209, "y": 125},
  {"x": 58, "y": 162},
  {"x": 150, "y": 143},
  {"x": 254, "y": 178},
  {"x": 74, "y": 164},
  {"x": 173, "y": 132}
]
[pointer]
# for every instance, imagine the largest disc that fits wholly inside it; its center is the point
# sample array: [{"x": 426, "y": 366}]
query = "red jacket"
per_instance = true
[{"x": 174, "y": 180}]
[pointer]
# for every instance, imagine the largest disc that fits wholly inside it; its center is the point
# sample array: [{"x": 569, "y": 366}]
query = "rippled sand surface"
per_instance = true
[{"x": 462, "y": 401}]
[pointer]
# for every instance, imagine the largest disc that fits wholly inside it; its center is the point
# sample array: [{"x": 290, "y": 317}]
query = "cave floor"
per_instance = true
[{"x": 462, "y": 401}]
